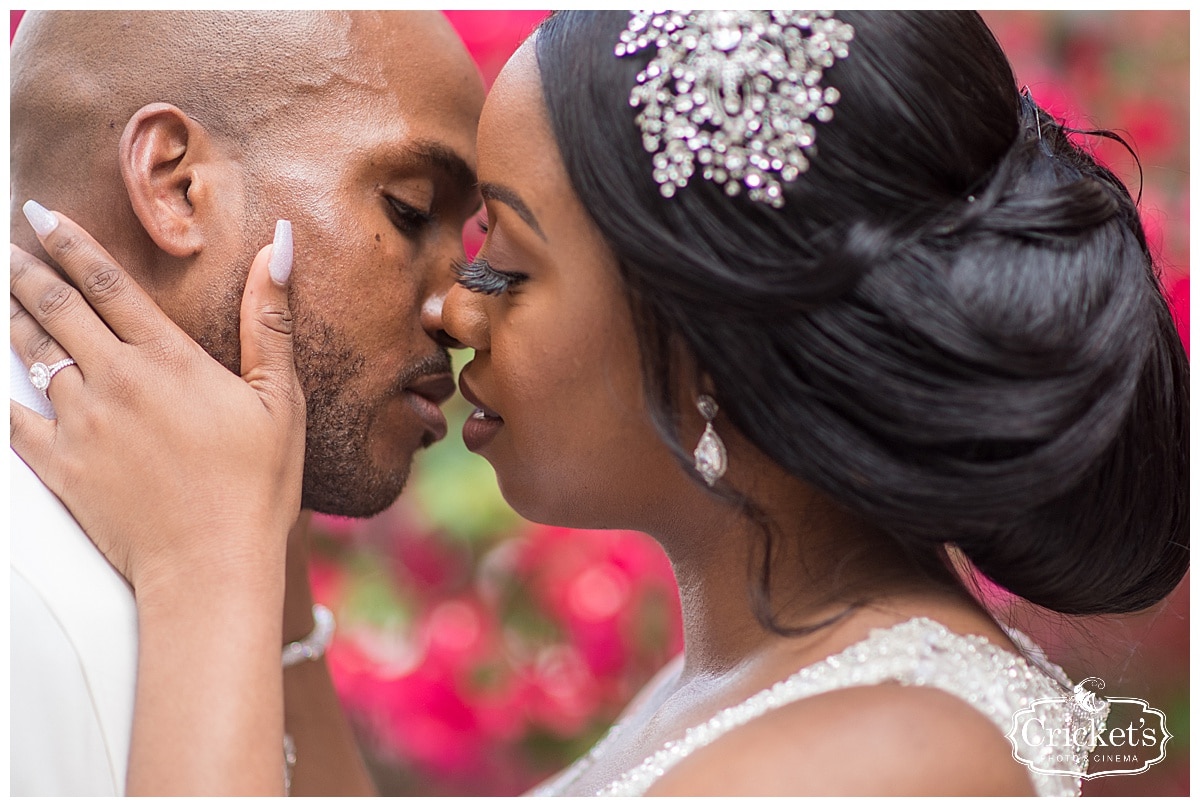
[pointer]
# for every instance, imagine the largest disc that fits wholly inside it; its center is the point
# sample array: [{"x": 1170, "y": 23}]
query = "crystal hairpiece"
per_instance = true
[{"x": 734, "y": 92}]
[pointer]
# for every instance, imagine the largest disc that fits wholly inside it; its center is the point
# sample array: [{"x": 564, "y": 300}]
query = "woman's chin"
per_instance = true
[
  {"x": 526, "y": 502},
  {"x": 556, "y": 505}
]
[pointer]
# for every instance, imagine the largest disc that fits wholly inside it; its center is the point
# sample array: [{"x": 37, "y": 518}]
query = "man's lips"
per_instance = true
[
  {"x": 437, "y": 388},
  {"x": 425, "y": 396}
]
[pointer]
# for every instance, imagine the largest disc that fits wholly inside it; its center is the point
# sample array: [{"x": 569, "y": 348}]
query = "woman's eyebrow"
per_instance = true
[{"x": 501, "y": 193}]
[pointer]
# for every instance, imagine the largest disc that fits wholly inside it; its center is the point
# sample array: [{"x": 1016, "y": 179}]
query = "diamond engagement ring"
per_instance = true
[{"x": 40, "y": 374}]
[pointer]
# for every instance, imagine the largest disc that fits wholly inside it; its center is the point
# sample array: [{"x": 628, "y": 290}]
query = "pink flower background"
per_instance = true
[{"x": 478, "y": 653}]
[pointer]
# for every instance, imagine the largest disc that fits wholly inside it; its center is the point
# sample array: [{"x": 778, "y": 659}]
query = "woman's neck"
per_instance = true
[{"x": 823, "y": 561}]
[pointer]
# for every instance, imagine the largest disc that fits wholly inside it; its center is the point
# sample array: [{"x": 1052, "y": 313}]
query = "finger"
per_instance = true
[
  {"x": 266, "y": 323},
  {"x": 32, "y": 437},
  {"x": 33, "y": 345},
  {"x": 131, "y": 313},
  {"x": 58, "y": 307}
]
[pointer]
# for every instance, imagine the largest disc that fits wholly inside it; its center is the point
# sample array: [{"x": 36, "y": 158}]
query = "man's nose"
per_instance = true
[
  {"x": 432, "y": 309},
  {"x": 442, "y": 278}
]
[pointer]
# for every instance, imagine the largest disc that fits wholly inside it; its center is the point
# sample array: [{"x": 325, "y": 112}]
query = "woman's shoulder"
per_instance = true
[
  {"x": 910, "y": 708},
  {"x": 880, "y": 739}
]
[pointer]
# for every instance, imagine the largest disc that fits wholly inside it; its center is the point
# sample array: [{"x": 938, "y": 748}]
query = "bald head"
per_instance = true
[
  {"x": 83, "y": 71},
  {"x": 79, "y": 76}
]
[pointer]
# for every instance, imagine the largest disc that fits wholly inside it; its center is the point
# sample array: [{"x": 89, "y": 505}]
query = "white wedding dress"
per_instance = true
[{"x": 919, "y": 652}]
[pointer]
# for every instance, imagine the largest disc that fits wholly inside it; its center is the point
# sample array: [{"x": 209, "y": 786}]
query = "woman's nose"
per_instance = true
[{"x": 463, "y": 319}]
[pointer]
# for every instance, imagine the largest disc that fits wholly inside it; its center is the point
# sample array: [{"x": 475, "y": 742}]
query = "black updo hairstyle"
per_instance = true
[{"x": 952, "y": 327}]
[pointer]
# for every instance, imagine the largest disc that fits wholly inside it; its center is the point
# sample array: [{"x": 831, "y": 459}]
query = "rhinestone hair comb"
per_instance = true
[{"x": 733, "y": 94}]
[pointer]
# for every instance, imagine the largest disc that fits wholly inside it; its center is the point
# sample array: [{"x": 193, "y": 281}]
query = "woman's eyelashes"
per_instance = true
[
  {"x": 481, "y": 277},
  {"x": 408, "y": 219}
]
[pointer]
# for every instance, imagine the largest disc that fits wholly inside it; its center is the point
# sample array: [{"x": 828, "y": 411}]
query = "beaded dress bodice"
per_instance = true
[{"x": 919, "y": 652}]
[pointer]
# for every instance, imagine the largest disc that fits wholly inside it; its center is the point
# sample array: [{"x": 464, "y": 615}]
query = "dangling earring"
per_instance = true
[{"x": 711, "y": 461}]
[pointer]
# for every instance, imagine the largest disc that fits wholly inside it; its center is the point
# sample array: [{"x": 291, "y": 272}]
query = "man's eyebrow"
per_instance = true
[
  {"x": 501, "y": 193},
  {"x": 447, "y": 161}
]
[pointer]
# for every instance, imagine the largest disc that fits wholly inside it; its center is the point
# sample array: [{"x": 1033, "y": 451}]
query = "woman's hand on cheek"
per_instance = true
[{"x": 173, "y": 465}]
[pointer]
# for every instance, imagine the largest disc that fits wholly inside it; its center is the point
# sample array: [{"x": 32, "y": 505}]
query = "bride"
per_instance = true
[{"x": 822, "y": 303}]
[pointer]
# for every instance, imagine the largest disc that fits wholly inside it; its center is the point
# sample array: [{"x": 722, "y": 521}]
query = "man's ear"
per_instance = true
[{"x": 162, "y": 150}]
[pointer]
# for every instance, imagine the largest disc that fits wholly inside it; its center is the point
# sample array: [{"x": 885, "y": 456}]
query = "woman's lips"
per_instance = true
[
  {"x": 480, "y": 429},
  {"x": 482, "y": 425}
]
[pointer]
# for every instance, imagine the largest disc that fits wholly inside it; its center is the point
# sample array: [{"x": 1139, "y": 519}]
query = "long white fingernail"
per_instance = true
[
  {"x": 280, "y": 265},
  {"x": 41, "y": 220}
]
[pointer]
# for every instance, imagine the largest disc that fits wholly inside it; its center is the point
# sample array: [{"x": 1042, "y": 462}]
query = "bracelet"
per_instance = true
[
  {"x": 289, "y": 762},
  {"x": 314, "y": 644}
]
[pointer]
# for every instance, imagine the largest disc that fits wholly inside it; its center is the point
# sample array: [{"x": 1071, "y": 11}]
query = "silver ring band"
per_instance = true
[{"x": 40, "y": 374}]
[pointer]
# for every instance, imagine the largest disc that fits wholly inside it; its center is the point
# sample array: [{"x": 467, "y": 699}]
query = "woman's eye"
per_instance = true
[
  {"x": 408, "y": 219},
  {"x": 481, "y": 277}
]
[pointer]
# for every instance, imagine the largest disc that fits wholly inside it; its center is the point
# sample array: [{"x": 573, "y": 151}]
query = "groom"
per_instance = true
[{"x": 177, "y": 139}]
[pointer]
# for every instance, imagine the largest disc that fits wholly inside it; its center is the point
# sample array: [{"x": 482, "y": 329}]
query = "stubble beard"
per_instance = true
[{"x": 339, "y": 476}]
